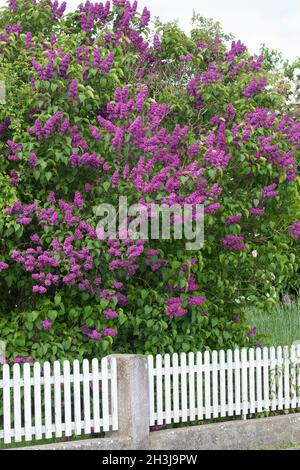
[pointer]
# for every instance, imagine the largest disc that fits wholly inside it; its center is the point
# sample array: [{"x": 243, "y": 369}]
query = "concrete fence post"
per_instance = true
[{"x": 133, "y": 399}]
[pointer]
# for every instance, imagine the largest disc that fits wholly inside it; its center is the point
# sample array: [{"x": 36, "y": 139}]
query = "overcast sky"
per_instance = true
[{"x": 275, "y": 22}]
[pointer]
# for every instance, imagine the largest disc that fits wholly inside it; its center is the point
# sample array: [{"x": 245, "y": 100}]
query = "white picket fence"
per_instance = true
[
  {"x": 219, "y": 384},
  {"x": 63, "y": 400}
]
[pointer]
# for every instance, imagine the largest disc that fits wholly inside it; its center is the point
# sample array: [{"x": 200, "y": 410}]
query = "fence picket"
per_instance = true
[
  {"x": 266, "y": 379},
  {"x": 47, "y": 400},
  {"x": 298, "y": 375},
  {"x": 244, "y": 382},
  {"x": 105, "y": 402},
  {"x": 151, "y": 389},
  {"x": 86, "y": 396},
  {"x": 57, "y": 399},
  {"x": 207, "y": 384},
  {"x": 230, "y": 382},
  {"x": 237, "y": 382},
  {"x": 222, "y": 384},
  {"x": 77, "y": 397},
  {"x": 273, "y": 378},
  {"x": 96, "y": 404},
  {"x": 37, "y": 401},
  {"x": 215, "y": 384},
  {"x": 67, "y": 399},
  {"x": 251, "y": 381},
  {"x": 286, "y": 375},
  {"x": 159, "y": 390},
  {"x": 259, "y": 400},
  {"x": 17, "y": 403},
  {"x": 168, "y": 418},
  {"x": 192, "y": 386},
  {"x": 199, "y": 376},
  {"x": 183, "y": 374},
  {"x": 175, "y": 387},
  {"x": 27, "y": 402},
  {"x": 293, "y": 376},
  {"x": 6, "y": 404},
  {"x": 280, "y": 377}
]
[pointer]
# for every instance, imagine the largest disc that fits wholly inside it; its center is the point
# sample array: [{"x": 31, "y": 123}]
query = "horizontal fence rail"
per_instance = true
[
  {"x": 45, "y": 401},
  {"x": 202, "y": 386}
]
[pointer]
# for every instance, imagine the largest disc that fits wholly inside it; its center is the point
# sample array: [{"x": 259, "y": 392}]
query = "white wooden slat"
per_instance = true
[
  {"x": 184, "y": 410},
  {"x": 151, "y": 390},
  {"x": 251, "y": 381},
  {"x": 37, "y": 401},
  {"x": 57, "y": 399},
  {"x": 47, "y": 400},
  {"x": 159, "y": 390},
  {"x": 230, "y": 382},
  {"x": 245, "y": 404},
  {"x": 199, "y": 376},
  {"x": 86, "y": 396},
  {"x": 286, "y": 377},
  {"x": 6, "y": 404},
  {"x": 105, "y": 397},
  {"x": 27, "y": 402},
  {"x": 168, "y": 418},
  {"x": 259, "y": 395},
  {"x": 222, "y": 383},
  {"x": 207, "y": 382},
  {"x": 293, "y": 376},
  {"x": 215, "y": 383},
  {"x": 266, "y": 379},
  {"x": 67, "y": 399},
  {"x": 175, "y": 388},
  {"x": 298, "y": 375},
  {"x": 273, "y": 378},
  {"x": 17, "y": 403},
  {"x": 192, "y": 405},
  {"x": 96, "y": 396},
  {"x": 114, "y": 393},
  {"x": 237, "y": 382},
  {"x": 77, "y": 396},
  {"x": 280, "y": 377}
]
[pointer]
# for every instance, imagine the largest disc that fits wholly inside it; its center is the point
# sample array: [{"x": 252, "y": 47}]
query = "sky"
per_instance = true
[{"x": 274, "y": 22}]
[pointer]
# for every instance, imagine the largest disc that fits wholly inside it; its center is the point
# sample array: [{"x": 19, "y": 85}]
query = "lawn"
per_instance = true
[{"x": 281, "y": 325}]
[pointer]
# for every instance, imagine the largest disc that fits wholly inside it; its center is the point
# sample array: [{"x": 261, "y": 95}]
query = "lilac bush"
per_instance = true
[{"x": 101, "y": 104}]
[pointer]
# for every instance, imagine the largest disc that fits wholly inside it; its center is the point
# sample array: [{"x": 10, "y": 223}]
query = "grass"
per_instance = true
[
  {"x": 52, "y": 441},
  {"x": 281, "y": 325}
]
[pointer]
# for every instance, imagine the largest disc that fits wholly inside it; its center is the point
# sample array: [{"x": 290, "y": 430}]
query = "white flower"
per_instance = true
[{"x": 254, "y": 254}]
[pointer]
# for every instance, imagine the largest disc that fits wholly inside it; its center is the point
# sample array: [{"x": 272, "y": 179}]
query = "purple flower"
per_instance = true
[
  {"x": 156, "y": 42},
  {"x": 294, "y": 230},
  {"x": 3, "y": 266},
  {"x": 73, "y": 90},
  {"x": 252, "y": 331},
  {"x": 46, "y": 324},
  {"x": 196, "y": 301},
  {"x": 233, "y": 219},
  {"x": 32, "y": 161},
  {"x": 110, "y": 314},
  {"x": 145, "y": 18},
  {"x": 233, "y": 243},
  {"x": 109, "y": 332},
  {"x": 287, "y": 299},
  {"x": 35, "y": 238},
  {"x": 254, "y": 212}
]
